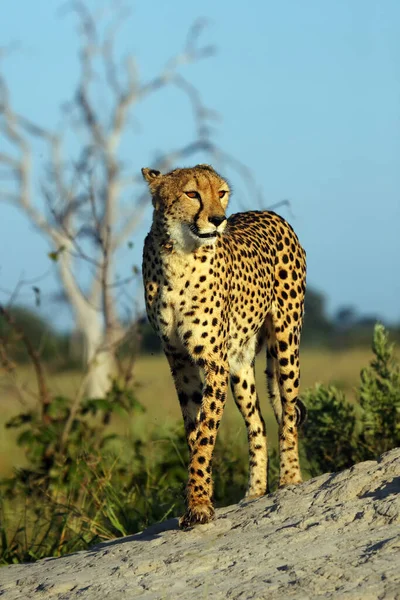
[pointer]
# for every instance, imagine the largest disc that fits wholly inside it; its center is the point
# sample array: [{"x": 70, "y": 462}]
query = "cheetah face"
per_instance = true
[{"x": 189, "y": 204}]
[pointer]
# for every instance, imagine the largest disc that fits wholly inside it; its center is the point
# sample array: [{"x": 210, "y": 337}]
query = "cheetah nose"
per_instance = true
[{"x": 217, "y": 220}]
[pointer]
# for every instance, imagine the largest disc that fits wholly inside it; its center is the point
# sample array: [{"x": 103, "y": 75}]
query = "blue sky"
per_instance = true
[{"x": 309, "y": 94}]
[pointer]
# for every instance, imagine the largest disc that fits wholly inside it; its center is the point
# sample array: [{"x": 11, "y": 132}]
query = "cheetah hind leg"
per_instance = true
[
  {"x": 283, "y": 374},
  {"x": 246, "y": 398},
  {"x": 272, "y": 373}
]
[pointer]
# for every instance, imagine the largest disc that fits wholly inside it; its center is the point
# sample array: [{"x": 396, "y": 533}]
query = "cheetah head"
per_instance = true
[{"x": 189, "y": 204}]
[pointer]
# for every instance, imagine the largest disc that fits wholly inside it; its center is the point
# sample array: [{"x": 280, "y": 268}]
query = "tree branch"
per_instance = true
[
  {"x": 45, "y": 398},
  {"x": 83, "y": 217}
]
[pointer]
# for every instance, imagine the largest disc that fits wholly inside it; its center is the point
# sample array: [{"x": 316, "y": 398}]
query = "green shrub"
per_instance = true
[
  {"x": 83, "y": 485},
  {"x": 98, "y": 486},
  {"x": 329, "y": 432},
  {"x": 379, "y": 396},
  {"x": 333, "y": 439},
  {"x": 51, "y": 346}
]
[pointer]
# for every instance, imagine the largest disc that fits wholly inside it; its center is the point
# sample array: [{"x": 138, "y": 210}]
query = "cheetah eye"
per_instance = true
[
  {"x": 222, "y": 193},
  {"x": 192, "y": 194}
]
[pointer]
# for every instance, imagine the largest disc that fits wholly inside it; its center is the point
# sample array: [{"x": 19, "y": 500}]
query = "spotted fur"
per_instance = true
[{"x": 215, "y": 289}]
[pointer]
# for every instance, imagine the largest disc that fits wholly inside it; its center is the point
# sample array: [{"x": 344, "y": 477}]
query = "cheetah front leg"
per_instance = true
[
  {"x": 189, "y": 388},
  {"x": 200, "y": 486}
]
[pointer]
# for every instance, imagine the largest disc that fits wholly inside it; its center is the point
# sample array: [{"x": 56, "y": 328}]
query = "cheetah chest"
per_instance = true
[{"x": 187, "y": 300}]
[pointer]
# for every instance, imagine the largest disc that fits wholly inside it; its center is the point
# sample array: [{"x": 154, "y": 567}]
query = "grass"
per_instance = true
[
  {"x": 155, "y": 390},
  {"x": 93, "y": 492}
]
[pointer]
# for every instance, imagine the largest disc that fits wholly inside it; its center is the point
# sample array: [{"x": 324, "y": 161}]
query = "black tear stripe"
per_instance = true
[
  {"x": 197, "y": 215},
  {"x": 201, "y": 207}
]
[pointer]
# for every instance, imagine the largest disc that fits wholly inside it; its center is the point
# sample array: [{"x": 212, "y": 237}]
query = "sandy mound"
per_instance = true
[{"x": 336, "y": 536}]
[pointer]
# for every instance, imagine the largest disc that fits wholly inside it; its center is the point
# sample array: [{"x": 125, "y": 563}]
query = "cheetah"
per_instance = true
[{"x": 215, "y": 289}]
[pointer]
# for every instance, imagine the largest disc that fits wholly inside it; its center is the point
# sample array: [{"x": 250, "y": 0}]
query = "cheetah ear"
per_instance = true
[
  {"x": 150, "y": 174},
  {"x": 206, "y": 167}
]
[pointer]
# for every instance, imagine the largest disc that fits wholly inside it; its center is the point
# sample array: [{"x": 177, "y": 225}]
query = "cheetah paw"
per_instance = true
[
  {"x": 196, "y": 515},
  {"x": 285, "y": 481}
]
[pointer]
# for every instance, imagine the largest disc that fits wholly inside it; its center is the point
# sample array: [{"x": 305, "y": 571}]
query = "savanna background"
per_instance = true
[{"x": 297, "y": 104}]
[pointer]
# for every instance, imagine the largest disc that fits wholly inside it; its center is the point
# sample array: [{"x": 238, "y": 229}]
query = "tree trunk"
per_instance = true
[
  {"x": 98, "y": 355},
  {"x": 100, "y": 374}
]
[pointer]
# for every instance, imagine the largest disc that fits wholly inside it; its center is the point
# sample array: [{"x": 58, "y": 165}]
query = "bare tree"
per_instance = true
[{"x": 83, "y": 215}]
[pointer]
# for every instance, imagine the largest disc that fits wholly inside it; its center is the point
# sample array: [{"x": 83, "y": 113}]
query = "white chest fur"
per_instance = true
[{"x": 188, "y": 294}]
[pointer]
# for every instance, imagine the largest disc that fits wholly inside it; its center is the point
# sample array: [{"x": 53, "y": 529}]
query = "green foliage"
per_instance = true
[
  {"x": 379, "y": 396},
  {"x": 75, "y": 489},
  {"x": 329, "y": 432},
  {"x": 56, "y": 440},
  {"x": 333, "y": 440},
  {"x": 273, "y": 470},
  {"x": 84, "y": 484},
  {"x": 317, "y": 327},
  {"x": 95, "y": 486},
  {"x": 230, "y": 471},
  {"x": 54, "y": 256},
  {"x": 51, "y": 346}
]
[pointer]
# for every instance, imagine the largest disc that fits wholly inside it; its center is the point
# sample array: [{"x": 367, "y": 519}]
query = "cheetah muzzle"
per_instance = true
[
  {"x": 215, "y": 290},
  {"x": 196, "y": 232}
]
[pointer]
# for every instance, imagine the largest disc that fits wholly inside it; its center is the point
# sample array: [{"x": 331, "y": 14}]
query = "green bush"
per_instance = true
[
  {"x": 329, "y": 432},
  {"x": 83, "y": 485},
  {"x": 333, "y": 438},
  {"x": 54, "y": 348},
  {"x": 379, "y": 396},
  {"x": 98, "y": 486}
]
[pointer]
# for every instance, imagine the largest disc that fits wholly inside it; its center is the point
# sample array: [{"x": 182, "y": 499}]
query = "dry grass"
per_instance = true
[{"x": 155, "y": 390}]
